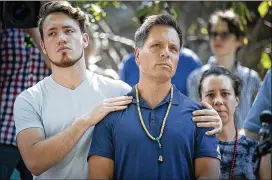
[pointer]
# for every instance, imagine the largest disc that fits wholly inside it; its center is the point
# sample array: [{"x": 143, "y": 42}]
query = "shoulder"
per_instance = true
[
  {"x": 248, "y": 142},
  {"x": 110, "y": 120},
  {"x": 267, "y": 78},
  {"x": 32, "y": 97},
  {"x": 128, "y": 62},
  {"x": 189, "y": 54},
  {"x": 110, "y": 85},
  {"x": 34, "y": 92},
  {"x": 197, "y": 73},
  {"x": 246, "y": 72},
  {"x": 128, "y": 57},
  {"x": 187, "y": 103}
]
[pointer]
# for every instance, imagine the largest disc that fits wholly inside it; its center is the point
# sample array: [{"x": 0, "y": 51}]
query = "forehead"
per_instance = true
[
  {"x": 219, "y": 25},
  {"x": 163, "y": 32},
  {"x": 214, "y": 82},
  {"x": 58, "y": 20}
]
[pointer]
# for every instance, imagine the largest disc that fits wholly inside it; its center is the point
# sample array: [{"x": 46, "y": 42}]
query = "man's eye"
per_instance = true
[
  {"x": 52, "y": 34},
  {"x": 174, "y": 49},
  {"x": 156, "y": 45},
  {"x": 69, "y": 31}
]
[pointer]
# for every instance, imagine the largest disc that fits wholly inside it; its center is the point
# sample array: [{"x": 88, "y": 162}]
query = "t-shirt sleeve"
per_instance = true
[
  {"x": 25, "y": 114},
  {"x": 206, "y": 146},
  {"x": 102, "y": 142},
  {"x": 124, "y": 88}
]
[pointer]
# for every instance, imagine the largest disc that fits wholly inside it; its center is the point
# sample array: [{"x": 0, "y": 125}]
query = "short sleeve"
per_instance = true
[
  {"x": 206, "y": 146},
  {"x": 124, "y": 88},
  {"x": 102, "y": 142},
  {"x": 25, "y": 114}
]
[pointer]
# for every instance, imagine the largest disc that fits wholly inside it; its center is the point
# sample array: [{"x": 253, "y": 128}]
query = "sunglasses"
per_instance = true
[{"x": 223, "y": 35}]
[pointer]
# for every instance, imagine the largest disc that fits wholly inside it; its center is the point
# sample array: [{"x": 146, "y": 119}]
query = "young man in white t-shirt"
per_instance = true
[{"x": 54, "y": 119}]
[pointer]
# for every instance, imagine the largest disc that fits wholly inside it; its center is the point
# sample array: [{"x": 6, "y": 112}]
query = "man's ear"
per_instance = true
[
  {"x": 43, "y": 47},
  {"x": 85, "y": 39},
  {"x": 137, "y": 53}
]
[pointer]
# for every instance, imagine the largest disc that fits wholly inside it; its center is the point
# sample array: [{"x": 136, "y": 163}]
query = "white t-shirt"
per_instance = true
[{"x": 52, "y": 107}]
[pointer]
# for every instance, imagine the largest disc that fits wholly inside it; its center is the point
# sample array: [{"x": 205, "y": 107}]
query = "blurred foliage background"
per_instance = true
[{"x": 113, "y": 24}]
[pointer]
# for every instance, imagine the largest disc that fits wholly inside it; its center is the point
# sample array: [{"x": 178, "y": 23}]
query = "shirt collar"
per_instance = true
[{"x": 166, "y": 99}]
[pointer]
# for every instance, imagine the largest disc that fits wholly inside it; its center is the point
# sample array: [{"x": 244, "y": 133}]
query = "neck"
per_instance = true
[
  {"x": 70, "y": 77},
  {"x": 227, "y": 61},
  {"x": 153, "y": 93},
  {"x": 228, "y": 132}
]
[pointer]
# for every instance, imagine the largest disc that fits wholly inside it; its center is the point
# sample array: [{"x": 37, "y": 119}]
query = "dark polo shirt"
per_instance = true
[{"x": 121, "y": 137}]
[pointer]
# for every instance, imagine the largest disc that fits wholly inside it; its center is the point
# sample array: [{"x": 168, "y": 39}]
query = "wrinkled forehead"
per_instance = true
[{"x": 163, "y": 32}]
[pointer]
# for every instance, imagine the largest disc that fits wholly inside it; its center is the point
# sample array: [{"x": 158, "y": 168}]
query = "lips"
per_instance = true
[
  {"x": 221, "y": 113},
  {"x": 63, "y": 48},
  {"x": 218, "y": 45},
  {"x": 164, "y": 64}
]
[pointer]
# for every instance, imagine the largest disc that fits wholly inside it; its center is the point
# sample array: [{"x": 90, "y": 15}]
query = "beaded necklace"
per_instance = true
[
  {"x": 163, "y": 123},
  {"x": 234, "y": 155}
]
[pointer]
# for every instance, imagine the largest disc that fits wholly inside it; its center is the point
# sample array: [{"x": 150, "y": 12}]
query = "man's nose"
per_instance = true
[
  {"x": 62, "y": 39},
  {"x": 165, "y": 52}
]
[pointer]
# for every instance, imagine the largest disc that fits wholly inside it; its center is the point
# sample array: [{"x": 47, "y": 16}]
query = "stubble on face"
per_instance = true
[
  {"x": 152, "y": 61},
  {"x": 65, "y": 62}
]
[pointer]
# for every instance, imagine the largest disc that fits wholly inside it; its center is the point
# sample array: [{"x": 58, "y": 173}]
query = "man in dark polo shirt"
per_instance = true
[{"x": 155, "y": 137}]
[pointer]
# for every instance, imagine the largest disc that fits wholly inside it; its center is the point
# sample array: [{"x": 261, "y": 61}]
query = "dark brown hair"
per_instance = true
[
  {"x": 162, "y": 19},
  {"x": 64, "y": 7},
  {"x": 215, "y": 70}
]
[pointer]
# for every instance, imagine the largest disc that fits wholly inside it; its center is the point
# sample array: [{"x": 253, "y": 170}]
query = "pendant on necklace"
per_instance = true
[{"x": 160, "y": 158}]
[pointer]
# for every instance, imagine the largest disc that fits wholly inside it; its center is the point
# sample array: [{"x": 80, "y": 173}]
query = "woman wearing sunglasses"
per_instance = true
[
  {"x": 221, "y": 89},
  {"x": 226, "y": 38}
]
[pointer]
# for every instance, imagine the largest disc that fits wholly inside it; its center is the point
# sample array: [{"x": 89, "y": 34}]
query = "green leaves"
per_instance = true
[
  {"x": 263, "y": 8},
  {"x": 265, "y": 60},
  {"x": 243, "y": 12}
]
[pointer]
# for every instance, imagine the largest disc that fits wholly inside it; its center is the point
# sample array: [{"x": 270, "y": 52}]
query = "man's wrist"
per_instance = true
[{"x": 82, "y": 124}]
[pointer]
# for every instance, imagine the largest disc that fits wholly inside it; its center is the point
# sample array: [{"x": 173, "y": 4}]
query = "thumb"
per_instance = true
[{"x": 207, "y": 105}]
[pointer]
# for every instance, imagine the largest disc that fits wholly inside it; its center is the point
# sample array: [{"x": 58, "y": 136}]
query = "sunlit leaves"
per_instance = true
[
  {"x": 263, "y": 8},
  {"x": 265, "y": 60}
]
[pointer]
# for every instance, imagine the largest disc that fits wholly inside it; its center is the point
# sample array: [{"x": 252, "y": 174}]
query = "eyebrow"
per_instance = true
[
  {"x": 158, "y": 41},
  {"x": 63, "y": 27},
  {"x": 220, "y": 90}
]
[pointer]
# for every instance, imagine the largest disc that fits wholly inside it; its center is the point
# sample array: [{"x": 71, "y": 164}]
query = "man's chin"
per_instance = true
[
  {"x": 163, "y": 78},
  {"x": 64, "y": 63}
]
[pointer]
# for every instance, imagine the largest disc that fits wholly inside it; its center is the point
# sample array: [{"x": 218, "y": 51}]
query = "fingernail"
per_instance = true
[
  {"x": 193, "y": 118},
  {"x": 194, "y": 113}
]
